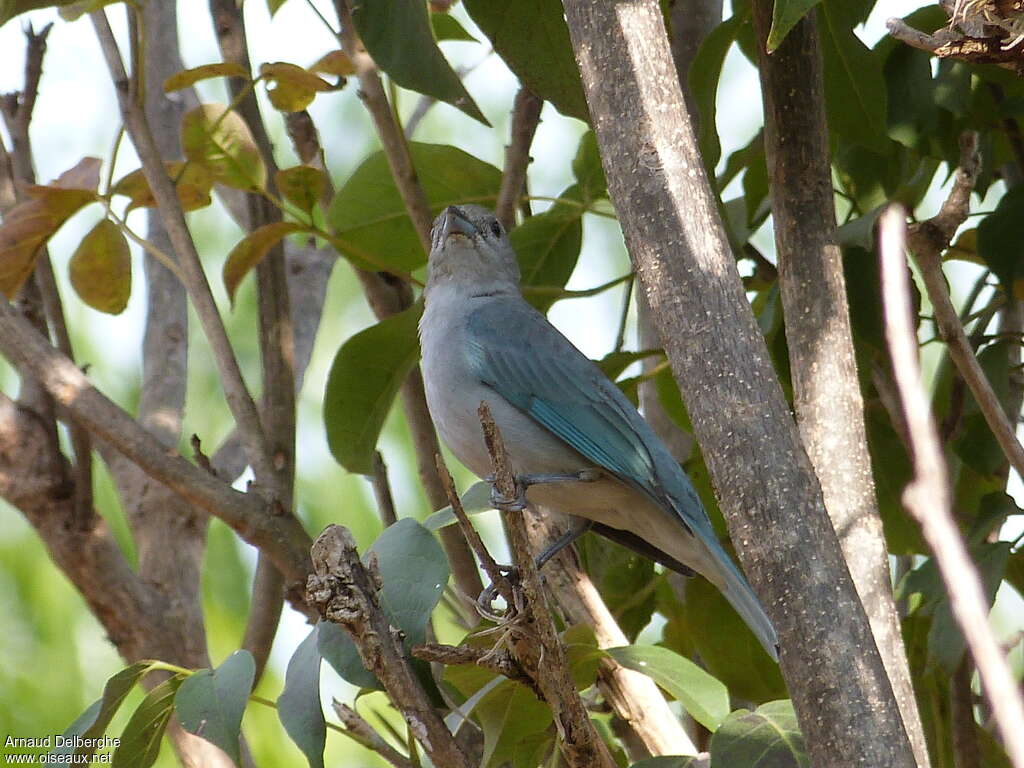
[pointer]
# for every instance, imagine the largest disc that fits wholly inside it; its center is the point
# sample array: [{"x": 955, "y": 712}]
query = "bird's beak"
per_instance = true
[{"x": 456, "y": 224}]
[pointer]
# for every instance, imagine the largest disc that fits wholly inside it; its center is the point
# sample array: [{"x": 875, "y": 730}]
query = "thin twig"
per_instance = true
[
  {"x": 927, "y": 498},
  {"x": 382, "y": 491},
  {"x": 497, "y": 660},
  {"x": 927, "y": 240},
  {"x": 361, "y": 731},
  {"x": 487, "y": 562},
  {"x": 525, "y": 117},
  {"x": 239, "y": 400}
]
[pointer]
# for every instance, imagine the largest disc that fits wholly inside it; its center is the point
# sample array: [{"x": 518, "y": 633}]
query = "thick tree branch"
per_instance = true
[
  {"x": 345, "y": 591},
  {"x": 525, "y": 116},
  {"x": 827, "y": 397},
  {"x": 767, "y": 487},
  {"x": 927, "y": 498},
  {"x": 254, "y": 520}
]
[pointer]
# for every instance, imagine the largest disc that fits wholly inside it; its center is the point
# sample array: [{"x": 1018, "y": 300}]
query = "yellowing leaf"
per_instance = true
[
  {"x": 194, "y": 183},
  {"x": 251, "y": 250},
  {"x": 219, "y": 140},
  {"x": 101, "y": 269},
  {"x": 302, "y": 185},
  {"x": 192, "y": 76},
  {"x": 335, "y": 63},
  {"x": 291, "y": 88},
  {"x": 29, "y": 224}
]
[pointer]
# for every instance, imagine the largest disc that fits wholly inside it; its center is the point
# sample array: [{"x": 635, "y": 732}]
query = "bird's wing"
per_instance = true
[{"x": 514, "y": 350}]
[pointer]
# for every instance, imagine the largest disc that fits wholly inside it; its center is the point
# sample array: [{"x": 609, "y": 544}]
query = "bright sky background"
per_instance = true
[{"x": 75, "y": 116}]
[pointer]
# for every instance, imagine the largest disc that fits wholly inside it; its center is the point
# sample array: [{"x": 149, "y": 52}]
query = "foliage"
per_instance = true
[{"x": 894, "y": 122}]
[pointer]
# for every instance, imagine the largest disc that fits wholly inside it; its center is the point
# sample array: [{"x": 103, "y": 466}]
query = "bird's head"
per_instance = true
[{"x": 469, "y": 247}]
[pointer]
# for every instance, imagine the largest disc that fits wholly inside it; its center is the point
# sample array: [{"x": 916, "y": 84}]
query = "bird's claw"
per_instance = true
[
  {"x": 483, "y": 602},
  {"x": 518, "y": 502}
]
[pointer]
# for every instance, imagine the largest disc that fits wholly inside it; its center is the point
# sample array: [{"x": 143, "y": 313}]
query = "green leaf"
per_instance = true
[
  {"x": 624, "y": 579},
  {"x": 92, "y": 723},
  {"x": 476, "y": 499},
  {"x": 532, "y": 39},
  {"x": 189, "y": 77},
  {"x": 768, "y": 737},
  {"x": 704, "y": 76},
  {"x": 548, "y": 247},
  {"x": 273, "y": 6},
  {"x": 219, "y": 140},
  {"x": 250, "y": 251},
  {"x": 946, "y": 644},
  {"x": 670, "y": 761},
  {"x": 140, "y": 740},
  {"x": 704, "y": 697},
  {"x": 999, "y": 243},
  {"x": 508, "y": 713},
  {"x": 398, "y": 36},
  {"x": 447, "y": 27},
  {"x": 370, "y": 219},
  {"x": 302, "y": 186},
  {"x": 785, "y": 16},
  {"x": 101, "y": 269},
  {"x": 210, "y": 704},
  {"x": 414, "y": 571},
  {"x": 338, "y": 650},
  {"x": 364, "y": 378},
  {"x": 704, "y": 623},
  {"x": 855, "y": 90},
  {"x": 587, "y": 169},
  {"x": 298, "y": 707},
  {"x": 31, "y": 223}
]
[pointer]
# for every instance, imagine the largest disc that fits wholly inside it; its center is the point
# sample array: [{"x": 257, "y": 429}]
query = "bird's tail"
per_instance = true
[{"x": 739, "y": 594}]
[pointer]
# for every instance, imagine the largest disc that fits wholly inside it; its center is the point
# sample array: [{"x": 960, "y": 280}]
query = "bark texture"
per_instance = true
[
  {"x": 767, "y": 487},
  {"x": 827, "y": 397}
]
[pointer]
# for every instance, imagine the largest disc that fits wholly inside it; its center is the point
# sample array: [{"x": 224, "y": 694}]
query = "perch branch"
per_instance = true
[
  {"x": 927, "y": 498},
  {"x": 541, "y": 654}
]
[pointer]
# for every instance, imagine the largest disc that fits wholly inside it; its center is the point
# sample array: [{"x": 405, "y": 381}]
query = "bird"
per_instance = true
[{"x": 580, "y": 445}]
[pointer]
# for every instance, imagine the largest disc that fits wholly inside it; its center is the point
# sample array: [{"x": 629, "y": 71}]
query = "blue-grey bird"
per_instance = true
[{"x": 558, "y": 413}]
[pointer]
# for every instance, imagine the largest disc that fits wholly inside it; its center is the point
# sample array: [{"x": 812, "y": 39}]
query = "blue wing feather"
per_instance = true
[{"x": 545, "y": 376}]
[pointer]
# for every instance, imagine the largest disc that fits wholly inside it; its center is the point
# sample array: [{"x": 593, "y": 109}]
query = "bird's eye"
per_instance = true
[{"x": 496, "y": 228}]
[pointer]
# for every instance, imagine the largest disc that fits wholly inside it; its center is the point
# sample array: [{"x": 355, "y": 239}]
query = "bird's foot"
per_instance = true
[
  {"x": 523, "y": 482},
  {"x": 484, "y": 602}
]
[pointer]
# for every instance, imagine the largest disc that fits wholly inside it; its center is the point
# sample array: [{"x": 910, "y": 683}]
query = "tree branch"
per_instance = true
[
  {"x": 345, "y": 591},
  {"x": 239, "y": 400},
  {"x": 927, "y": 497},
  {"x": 525, "y": 116},
  {"x": 927, "y": 240},
  {"x": 541, "y": 655},
  {"x": 764, "y": 479},
  {"x": 827, "y": 397},
  {"x": 254, "y": 520},
  {"x": 361, "y": 731}
]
